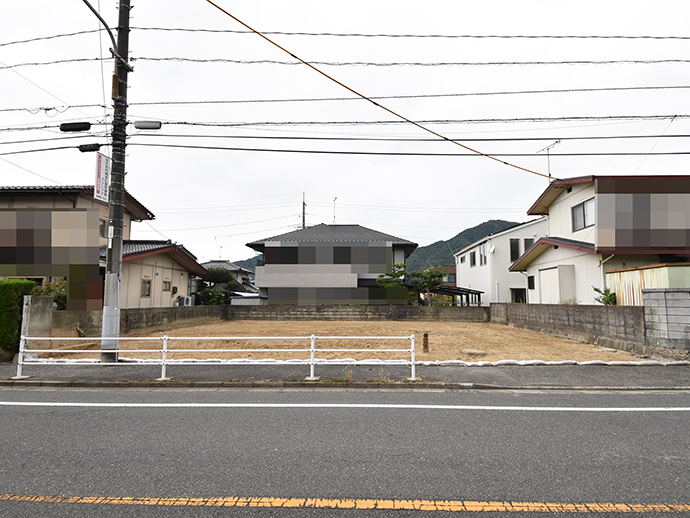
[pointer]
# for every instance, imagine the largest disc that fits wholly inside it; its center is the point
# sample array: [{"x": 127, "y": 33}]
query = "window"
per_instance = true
[
  {"x": 145, "y": 288},
  {"x": 518, "y": 295},
  {"x": 166, "y": 285},
  {"x": 449, "y": 277},
  {"x": 473, "y": 259},
  {"x": 483, "y": 257},
  {"x": 583, "y": 215},
  {"x": 514, "y": 250},
  {"x": 102, "y": 227},
  {"x": 529, "y": 243},
  {"x": 530, "y": 282},
  {"x": 462, "y": 259}
]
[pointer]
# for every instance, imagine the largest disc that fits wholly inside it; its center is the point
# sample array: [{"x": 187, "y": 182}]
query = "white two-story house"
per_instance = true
[
  {"x": 484, "y": 265},
  {"x": 602, "y": 228}
]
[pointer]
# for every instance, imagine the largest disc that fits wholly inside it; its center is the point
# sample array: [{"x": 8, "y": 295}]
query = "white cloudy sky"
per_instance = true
[{"x": 215, "y": 201}]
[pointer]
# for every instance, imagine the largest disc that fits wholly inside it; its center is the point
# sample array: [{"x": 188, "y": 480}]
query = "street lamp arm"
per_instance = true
[{"x": 110, "y": 33}]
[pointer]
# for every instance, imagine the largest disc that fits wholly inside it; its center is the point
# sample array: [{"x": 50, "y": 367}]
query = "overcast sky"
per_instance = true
[{"x": 213, "y": 201}]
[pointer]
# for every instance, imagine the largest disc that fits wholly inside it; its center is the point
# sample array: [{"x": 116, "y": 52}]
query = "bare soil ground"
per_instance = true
[{"x": 465, "y": 341}]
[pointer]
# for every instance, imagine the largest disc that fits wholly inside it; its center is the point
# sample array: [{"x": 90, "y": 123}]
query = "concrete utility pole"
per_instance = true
[{"x": 111, "y": 298}]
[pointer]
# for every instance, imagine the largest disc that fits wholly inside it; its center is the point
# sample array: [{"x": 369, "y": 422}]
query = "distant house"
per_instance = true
[
  {"x": 484, "y": 265},
  {"x": 330, "y": 264},
  {"x": 621, "y": 232},
  {"x": 60, "y": 232},
  {"x": 242, "y": 275},
  {"x": 156, "y": 274}
]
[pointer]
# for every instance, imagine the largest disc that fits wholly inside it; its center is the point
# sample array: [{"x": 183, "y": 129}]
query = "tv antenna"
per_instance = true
[
  {"x": 548, "y": 156},
  {"x": 334, "y": 209}
]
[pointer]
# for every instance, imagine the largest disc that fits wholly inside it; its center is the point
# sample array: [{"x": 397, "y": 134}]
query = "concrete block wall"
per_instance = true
[
  {"x": 667, "y": 320},
  {"x": 356, "y": 313},
  {"x": 618, "y": 327}
]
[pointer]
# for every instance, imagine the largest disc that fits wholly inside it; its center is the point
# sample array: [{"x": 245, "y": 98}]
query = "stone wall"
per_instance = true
[
  {"x": 619, "y": 327},
  {"x": 667, "y": 320},
  {"x": 419, "y": 313}
]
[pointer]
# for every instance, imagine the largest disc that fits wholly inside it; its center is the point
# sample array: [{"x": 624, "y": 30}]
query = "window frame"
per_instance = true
[
  {"x": 514, "y": 249},
  {"x": 473, "y": 259},
  {"x": 169, "y": 284},
  {"x": 146, "y": 288},
  {"x": 585, "y": 221}
]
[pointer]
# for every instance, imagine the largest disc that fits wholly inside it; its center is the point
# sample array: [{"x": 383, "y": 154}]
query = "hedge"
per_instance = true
[{"x": 12, "y": 293}]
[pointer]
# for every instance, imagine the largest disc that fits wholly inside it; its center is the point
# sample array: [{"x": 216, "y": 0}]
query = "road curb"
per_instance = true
[{"x": 321, "y": 384}]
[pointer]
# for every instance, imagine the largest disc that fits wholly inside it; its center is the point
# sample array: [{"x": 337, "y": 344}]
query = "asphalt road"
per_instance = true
[{"x": 315, "y": 452}]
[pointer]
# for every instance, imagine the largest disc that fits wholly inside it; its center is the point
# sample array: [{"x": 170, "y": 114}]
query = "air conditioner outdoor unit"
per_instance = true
[{"x": 183, "y": 301}]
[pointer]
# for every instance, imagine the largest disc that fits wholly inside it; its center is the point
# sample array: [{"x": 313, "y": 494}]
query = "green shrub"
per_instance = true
[
  {"x": 211, "y": 297},
  {"x": 12, "y": 293},
  {"x": 55, "y": 289}
]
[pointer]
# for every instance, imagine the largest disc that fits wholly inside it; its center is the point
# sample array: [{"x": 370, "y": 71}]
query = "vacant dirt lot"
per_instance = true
[{"x": 447, "y": 341}]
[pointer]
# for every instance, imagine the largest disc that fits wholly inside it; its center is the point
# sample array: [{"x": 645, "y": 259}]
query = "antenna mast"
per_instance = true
[{"x": 548, "y": 156}]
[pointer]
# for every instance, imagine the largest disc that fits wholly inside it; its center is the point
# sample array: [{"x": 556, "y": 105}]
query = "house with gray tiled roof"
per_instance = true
[
  {"x": 330, "y": 264},
  {"x": 60, "y": 232},
  {"x": 242, "y": 275}
]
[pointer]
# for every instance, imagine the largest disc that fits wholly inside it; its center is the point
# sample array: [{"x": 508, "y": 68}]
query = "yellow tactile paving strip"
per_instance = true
[{"x": 324, "y": 503}]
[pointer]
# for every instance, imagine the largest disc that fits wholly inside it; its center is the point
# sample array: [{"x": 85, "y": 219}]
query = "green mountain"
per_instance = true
[
  {"x": 435, "y": 254},
  {"x": 249, "y": 264},
  {"x": 441, "y": 252}
]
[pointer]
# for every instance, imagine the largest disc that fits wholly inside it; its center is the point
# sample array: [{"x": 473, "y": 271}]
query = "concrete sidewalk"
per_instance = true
[{"x": 622, "y": 377}]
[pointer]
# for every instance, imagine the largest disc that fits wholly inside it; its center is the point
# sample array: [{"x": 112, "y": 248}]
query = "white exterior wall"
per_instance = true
[
  {"x": 157, "y": 268},
  {"x": 560, "y": 219},
  {"x": 587, "y": 273},
  {"x": 494, "y": 278}
]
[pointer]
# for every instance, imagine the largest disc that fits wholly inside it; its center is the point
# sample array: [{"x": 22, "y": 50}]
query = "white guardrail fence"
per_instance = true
[{"x": 29, "y": 356}]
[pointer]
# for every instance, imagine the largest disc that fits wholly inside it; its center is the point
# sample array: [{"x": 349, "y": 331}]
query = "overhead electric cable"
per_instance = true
[
  {"x": 384, "y": 139},
  {"x": 42, "y": 38},
  {"x": 361, "y": 35},
  {"x": 390, "y": 64},
  {"x": 62, "y": 109},
  {"x": 356, "y": 63},
  {"x": 425, "y": 121},
  {"x": 472, "y": 154},
  {"x": 452, "y": 36}
]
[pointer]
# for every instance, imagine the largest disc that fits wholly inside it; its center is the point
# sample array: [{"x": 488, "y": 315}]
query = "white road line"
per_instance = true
[{"x": 342, "y": 405}]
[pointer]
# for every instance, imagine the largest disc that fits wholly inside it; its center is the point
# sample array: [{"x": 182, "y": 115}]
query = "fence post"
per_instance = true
[
  {"x": 20, "y": 359},
  {"x": 165, "y": 360},
  {"x": 413, "y": 374},
  {"x": 312, "y": 350}
]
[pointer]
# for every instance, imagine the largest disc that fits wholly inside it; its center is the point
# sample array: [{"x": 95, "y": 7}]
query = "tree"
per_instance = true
[
  {"x": 606, "y": 296},
  {"x": 394, "y": 278},
  {"x": 423, "y": 281}
]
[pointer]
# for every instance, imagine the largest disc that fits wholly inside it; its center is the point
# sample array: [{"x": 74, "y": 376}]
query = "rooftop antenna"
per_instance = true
[
  {"x": 334, "y": 209},
  {"x": 304, "y": 212},
  {"x": 548, "y": 156}
]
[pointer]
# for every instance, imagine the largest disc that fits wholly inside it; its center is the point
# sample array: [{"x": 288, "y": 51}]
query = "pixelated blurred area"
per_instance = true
[{"x": 54, "y": 244}]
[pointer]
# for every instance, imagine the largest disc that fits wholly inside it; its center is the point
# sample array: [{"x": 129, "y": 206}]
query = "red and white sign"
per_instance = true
[{"x": 102, "y": 187}]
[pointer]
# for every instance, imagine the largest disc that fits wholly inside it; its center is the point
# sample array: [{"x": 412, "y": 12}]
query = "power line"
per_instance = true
[
  {"x": 450, "y": 36},
  {"x": 362, "y": 35},
  {"x": 37, "y": 150},
  {"x": 375, "y": 153},
  {"x": 391, "y": 139},
  {"x": 62, "y": 109},
  {"x": 389, "y": 122},
  {"x": 412, "y": 63},
  {"x": 359, "y": 63},
  {"x": 427, "y": 121},
  {"x": 42, "y": 38}
]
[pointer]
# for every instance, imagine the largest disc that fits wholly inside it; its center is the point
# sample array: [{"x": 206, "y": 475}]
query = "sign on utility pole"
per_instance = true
[{"x": 102, "y": 185}]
